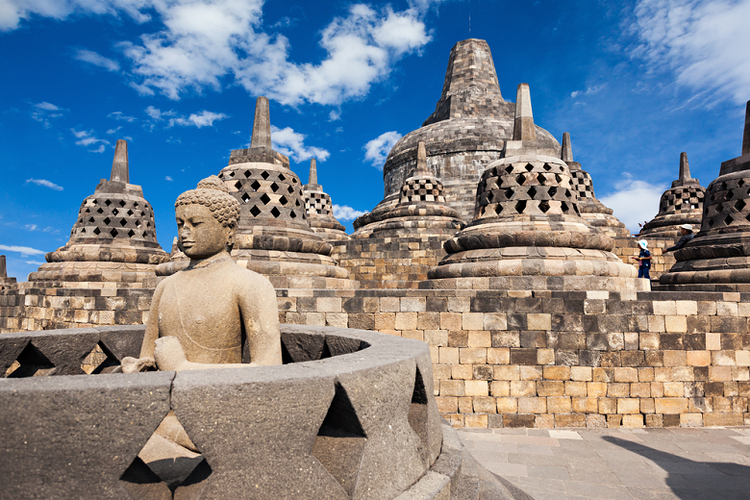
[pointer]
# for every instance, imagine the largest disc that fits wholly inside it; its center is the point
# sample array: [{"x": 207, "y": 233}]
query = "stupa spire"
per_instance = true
[
  {"x": 3, "y": 269},
  {"x": 313, "y": 179},
  {"x": 684, "y": 167},
  {"x": 567, "y": 149},
  {"x": 523, "y": 125},
  {"x": 261, "y": 125},
  {"x": 746, "y": 135},
  {"x": 120, "y": 163},
  {"x": 421, "y": 160}
]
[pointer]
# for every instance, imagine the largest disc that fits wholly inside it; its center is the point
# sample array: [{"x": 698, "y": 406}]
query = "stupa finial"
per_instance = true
[
  {"x": 313, "y": 179},
  {"x": 684, "y": 167},
  {"x": 120, "y": 163},
  {"x": 523, "y": 126},
  {"x": 261, "y": 125},
  {"x": 422, "y": 158},
  {"x": 567, "y": 149},
  {"x": 3, "y": 268},
  {"x": 746, "y": 135}
]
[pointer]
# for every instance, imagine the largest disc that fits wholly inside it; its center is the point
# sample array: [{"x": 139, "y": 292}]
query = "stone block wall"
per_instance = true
[
  {"x": 563, "y": 359},
  {"x": 392, "y": 262},
  {"x": 660, "y": 262}
]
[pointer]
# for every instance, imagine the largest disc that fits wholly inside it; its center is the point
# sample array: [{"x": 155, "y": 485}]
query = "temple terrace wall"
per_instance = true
[{"x": 533, "y": 359}]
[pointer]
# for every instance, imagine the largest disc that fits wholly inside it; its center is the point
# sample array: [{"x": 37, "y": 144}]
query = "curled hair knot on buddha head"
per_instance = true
[{"x": 213, "y": 194}]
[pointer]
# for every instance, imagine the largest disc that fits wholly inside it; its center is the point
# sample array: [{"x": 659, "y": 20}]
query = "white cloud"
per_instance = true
[
  {"x": 113, "y": 130},
  {"x": 155, "y": 113},
  {"x": 168, "y": 179},
  {"x": 291, "y": 143},
  {"x": 334, "y": 115},
  {"x": 86, "y": 139},
  {"x": 634, "y": 201},
  {"x": 588, "y": 91},
  {"x": 43, "y": 112},
  {"x": 34, "y": 262},
  {"x": 30, "y": 227},
  {"x": 345, "y": 213},
  {"x": 119, "y": 115},
  {"x": 200, "y": 120},
  {"x": 96, "y": 59},
  {"x": 45, "y": 183},
  {"x": 21, "y": 250},
  {"x": 376, "y": 151},
  {"x": 198, "y": 43},
  {"x": 705, "y": 42}
]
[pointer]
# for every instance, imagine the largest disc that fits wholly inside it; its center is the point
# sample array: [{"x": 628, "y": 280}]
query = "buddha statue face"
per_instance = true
[{"x": 200, "y": 235}]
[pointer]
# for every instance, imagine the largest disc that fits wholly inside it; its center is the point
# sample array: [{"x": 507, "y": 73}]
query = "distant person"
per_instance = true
[
  {"x": 686, "y": 230},
  {"x": 644, "y": 260}
]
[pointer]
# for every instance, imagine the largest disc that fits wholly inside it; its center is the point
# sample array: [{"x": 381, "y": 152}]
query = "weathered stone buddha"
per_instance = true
[{"x": 213, "y": 312}]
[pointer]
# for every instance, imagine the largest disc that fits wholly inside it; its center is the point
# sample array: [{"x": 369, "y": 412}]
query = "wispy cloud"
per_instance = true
[
  {"x": 119, "y": 115},
  {"x": 345, "y": 213},
  {"x": 589, "y": 91},
  {"x": 634, "y": 201},
  {"x": 292, "y": 144},
  {"x": 197, "y": 44},
  {"x": 43, "y": 112},
  {"x": 376, "y": 150},
  {"x": 168, "y": 179},
  {"x": 97, "y": 59},
  {"x": 21, "y": 250},
  {"x": 86, "y": 139},
  {"x": 199, "y": 120},
  {"x": 31, "y": 227},
  {"x": 704, "y": 42},
  {"x": 45, "y": 183}
]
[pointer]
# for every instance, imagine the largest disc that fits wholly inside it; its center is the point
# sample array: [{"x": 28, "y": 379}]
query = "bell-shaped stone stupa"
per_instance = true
[
  {"x": 718, "y": 258},
  {"x": 467, "y": 131},
  {"x": 528, "y": 233},
  {"x": 681, "y": 204},
  {"x": 273, "y": 236},
  {"x": 421, "y": 208},
  {"x": 592, "y": 210},
  {"x": 319, "y": 209},
  {"x": 113, "y": 242}
]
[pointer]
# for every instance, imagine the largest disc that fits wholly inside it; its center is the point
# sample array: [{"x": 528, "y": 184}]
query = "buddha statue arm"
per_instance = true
[
  {"x": 260, "y": 316},
  {"x": 145, "y": 360}
]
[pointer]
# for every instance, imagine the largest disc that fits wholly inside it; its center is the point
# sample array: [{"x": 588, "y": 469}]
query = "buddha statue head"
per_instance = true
[{"x": 206, "y": 219}]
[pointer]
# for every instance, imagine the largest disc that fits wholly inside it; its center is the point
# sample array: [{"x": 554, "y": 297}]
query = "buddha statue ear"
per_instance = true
[{"x": 230, "y": 238}]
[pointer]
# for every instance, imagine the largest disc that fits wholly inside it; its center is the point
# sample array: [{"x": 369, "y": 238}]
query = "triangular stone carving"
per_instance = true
[
  {"x": 340, "y": 442},
  {"x": 31, "y": 363},
  {"x": 418, "y": 409},
  {"x": 99, "y": 360},
  {"x": 169, "y": 465}
]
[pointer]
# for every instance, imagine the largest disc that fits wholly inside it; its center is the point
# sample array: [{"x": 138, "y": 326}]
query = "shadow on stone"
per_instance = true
[{"x": 30, "y": 363}]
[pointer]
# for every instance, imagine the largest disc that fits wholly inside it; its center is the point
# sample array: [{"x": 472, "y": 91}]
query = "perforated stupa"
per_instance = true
[
  {"x": 319, "y": 208},
  {"x": 113, "y": 240}
]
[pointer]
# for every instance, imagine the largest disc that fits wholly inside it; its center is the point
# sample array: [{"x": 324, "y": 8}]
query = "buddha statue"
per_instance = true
[{"x": 213, "y": 313}]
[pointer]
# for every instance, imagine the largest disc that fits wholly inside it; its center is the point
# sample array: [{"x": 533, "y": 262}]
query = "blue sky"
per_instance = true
[{"x": 635, "y": 83}]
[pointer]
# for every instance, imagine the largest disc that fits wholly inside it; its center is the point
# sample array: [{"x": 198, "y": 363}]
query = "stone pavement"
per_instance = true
[{"x": 672, "y": 463}]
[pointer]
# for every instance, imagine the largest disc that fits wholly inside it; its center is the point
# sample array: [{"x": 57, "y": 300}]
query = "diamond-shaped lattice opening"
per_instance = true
[
  {"x": 532, "y": 191},
  {"x": 275, "y": 212},
  {"x": 283, "y": 200},
  {"x": 340, "y": 442},
  {"x": 107, "y": 202},
  {"x": 123, "y": 222},
  {"x": 521, "y": 206},
  {"x": 237, "y": 185},
  {"x": 541, "y": 178},
  {"x": 245, "y": 197},
  {"x": 92, "y": 220},
  {"x": 544, "y": 206},
  {"x": 246, "y": 173},
  {"x": 107, "y": 220},
  {"x": 739, "y": 205},
  {"x": 255, "y": 185},
  {"x": 520, "y": 178},
  {"x": 274, "y": 187},
  {"x": 99, "y": 360},
  {"x": 122, "y": 203},
  {"x": 567, "y": 193},
  {"x": 100, "y": 210},
  {"x": 418, "y": 409},
  {"x": 83, "y": 230},
  {"x": 265, "y": 199},
  {"x": 558, "y": 178},
  {"x": 529, "y": 167},
  {"x": 723, "y": 186},
  {"x": 114, "y": 233},
  {"x": 130, "y": 212},
  {"x": 131, "y": 233},
  {"x": 290, "y": 189},
  {"x": 168, "y": 464},
  {"x": 547, "y": 167},
  {"x": 30, "y": 363},
  {"x": 509, "y": 169},
  {"x": 292, "y": 214},
  {"x": 294, "y": 180},
  {"x": 255, "y": 211},
  {"x": 552, "y": 191},
  {"x": 282, "y": 177},
  {"x": 508, "y": 194},
  {"x": 564, "y": 207},
  {"x": 730, "y": 195},
  {"x": 97, "y": 230},
  {"x": 498, "y": 208},
  {"x": 265, "y": 175},
  {"x": 135, "y": 205},
  {"x": 115, "y": 211},
  {"x": 728, "y": 220},
  {"x": 297, "y": 204}
]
